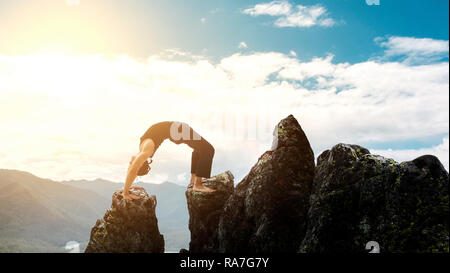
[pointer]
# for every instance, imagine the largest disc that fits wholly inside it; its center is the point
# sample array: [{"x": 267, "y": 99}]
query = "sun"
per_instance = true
[{"x": 63, "y": 27}]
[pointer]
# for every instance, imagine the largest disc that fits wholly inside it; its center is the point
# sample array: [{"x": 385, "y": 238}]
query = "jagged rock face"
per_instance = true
[
  {"x": 358, "y": 197},
  {"x": 129, "y": 226},
  {"x": 267, "y": 211},
  {"x": 205, "y": 210}
]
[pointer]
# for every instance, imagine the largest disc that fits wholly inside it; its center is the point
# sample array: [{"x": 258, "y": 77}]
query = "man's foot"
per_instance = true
[
  {"x": 202, "y": 188},
  {"x": 203, "y": 181},
  {"x": 136, "y": 187}
]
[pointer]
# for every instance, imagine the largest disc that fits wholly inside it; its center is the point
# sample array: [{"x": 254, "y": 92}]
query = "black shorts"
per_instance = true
[{"x": 202, "y": 157}]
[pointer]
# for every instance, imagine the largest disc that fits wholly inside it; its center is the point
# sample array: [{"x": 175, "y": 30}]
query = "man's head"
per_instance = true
[{"x": 144, "y": 169}]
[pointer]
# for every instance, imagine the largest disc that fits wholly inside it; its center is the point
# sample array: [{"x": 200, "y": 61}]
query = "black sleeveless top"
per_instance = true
[{"x": 160, "y": 131}]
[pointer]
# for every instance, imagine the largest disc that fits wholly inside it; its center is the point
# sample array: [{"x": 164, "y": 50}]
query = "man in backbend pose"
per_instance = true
[{"x": 177, "y": 132}]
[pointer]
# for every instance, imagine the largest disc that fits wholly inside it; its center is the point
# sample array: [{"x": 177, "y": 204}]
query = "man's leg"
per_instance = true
[
  {"x": 201, "y": 161},
  {"x": 194, "y": 162},
  {"x": 192, "y": 179},
  {"x": 203, "y": 166}
]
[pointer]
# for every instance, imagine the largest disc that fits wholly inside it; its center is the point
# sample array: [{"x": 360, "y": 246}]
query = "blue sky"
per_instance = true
[
  {"x": 375, "y": 75},
  {"x": 177, "y": 25},
  {"x": 150, "y": 26}
]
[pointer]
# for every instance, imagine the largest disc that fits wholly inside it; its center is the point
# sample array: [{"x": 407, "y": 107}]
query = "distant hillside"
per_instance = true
[
  {"x": 171, "y": 210},
  {"x": 41, "y": 215}
]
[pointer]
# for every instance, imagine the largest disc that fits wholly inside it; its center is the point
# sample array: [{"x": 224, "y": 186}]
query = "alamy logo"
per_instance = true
[
  {"x": 373, "y": 2},
  {"x": 73, "y": 247},
  {"x": 373, "y": 246},
  {"x": 184, "y": 134}
]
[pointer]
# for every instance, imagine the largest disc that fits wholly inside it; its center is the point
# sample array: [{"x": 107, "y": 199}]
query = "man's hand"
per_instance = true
[{"x": 130, "y": 196}]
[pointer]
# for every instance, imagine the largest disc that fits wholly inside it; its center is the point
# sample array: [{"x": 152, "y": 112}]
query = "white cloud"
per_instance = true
[
  {"x": 242, "y": 45},
  {"x": 85, "y": 113},
  {"x": 288, "y": 16},
  {"x": 157, "y": 178},
  {"x": 293, "y": 53},
  {"x": 252, "y": 70},
  {"x": 306, "y": 17},
  {"x": 305, "y": 70},
  {"x": 203, "y": 20},
  {"x": 415, "y": 50},
  {"x": 182, "y": 177},
  {"x": 441, "y": 151},
  {"x": 274, "y": 8}
]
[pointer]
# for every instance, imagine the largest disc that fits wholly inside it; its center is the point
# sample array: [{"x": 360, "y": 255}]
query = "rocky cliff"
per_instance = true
[
  {"x": 266, "y": 212},
  {"x": 128, "y": 226},
  {"x": 205, "y": 210},
  {"x": 287, "y": 204},
  {"x": 358, "y": 197}
]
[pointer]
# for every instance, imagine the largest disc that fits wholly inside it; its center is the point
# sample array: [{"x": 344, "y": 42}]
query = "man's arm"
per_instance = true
[{"x": 132, "y": 173}]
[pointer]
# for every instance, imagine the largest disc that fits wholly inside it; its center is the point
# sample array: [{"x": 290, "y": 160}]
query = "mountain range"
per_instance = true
[{"x": 42, "y": 215}]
